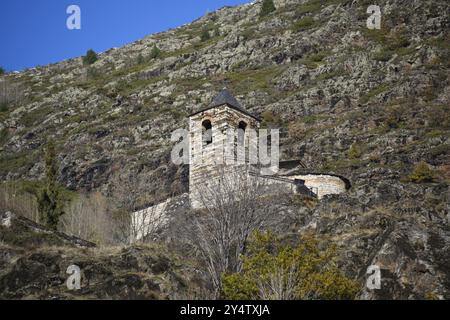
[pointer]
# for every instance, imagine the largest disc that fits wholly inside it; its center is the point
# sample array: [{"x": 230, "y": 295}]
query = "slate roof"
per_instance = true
[{"x": 225, "y": 97}]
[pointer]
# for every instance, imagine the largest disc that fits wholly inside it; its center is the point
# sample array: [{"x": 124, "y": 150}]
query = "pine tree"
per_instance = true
[
  {"x": 49, "y": 199},
  {"x": 90, "y": 57},
  {"x": 267, "y": 7}
]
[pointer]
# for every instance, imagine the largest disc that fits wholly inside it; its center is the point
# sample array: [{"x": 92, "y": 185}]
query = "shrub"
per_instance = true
[
  {"x": 140, "y": 59},
  {"x": 354, "y": 152},
  {"x": 297, "y": 130},
  {"x": 437, "y": 116},
  {"x": 216, "y": 32},
  {"x": 268, "y": 118},
  {"x": 248, "y": 34},
  {"x": 383, "y": 55},
  {"x": 313, "y": 60},
  {"x": 303, "y": 24},
  {"x": 267, "y": 7},
  {"x": 2, "y": 71},
  {"x": 92, "y": 73},
  {"x": 276, "y": 271},
  {"x": 155, "y": 53},
  {"x": 3, "y": 136},
  {"x": 422, "y": 173},
  {"x": 374, "y": 92},
  {"x": 205, "y": 36},
  {"x": 309, "y": 7},
  {"x": 90, "y": 57},
  {"x": 3, "y": 107},
  {"x": 394, "y": 117}
]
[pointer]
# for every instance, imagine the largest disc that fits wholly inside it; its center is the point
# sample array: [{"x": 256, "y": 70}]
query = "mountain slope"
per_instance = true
[
  {"x": 365, "y": 104},
  {"x": 327, "y": 79}
]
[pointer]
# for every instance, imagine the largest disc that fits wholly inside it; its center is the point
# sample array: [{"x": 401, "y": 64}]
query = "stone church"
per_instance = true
[{"x": 207, "y": 161}]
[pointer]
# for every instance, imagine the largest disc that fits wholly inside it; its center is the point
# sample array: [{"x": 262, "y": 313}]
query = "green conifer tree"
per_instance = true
[
  {"x": 50, "y": 202},
  {"x": 155, "y": 53},
  {"x": 90, "y": 57},
  {"x": 267, "y": 7}
]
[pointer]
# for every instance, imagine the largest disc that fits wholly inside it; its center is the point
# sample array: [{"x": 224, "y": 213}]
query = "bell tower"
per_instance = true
[{"x": 208, "y": 130}]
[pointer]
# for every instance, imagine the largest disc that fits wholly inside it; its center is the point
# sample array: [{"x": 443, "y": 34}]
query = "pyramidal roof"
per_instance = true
[{"x": 226, "y": 98}]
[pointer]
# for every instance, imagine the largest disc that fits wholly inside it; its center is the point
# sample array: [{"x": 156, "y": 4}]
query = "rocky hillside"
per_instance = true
[
  {"x": 312, "y": 66},
  {"x": 34, "y": 261},
  {"x": 365, "y": 104}
]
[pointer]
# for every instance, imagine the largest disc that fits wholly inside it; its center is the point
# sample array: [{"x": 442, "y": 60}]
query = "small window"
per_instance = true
[{"x": 207, "y": 132}]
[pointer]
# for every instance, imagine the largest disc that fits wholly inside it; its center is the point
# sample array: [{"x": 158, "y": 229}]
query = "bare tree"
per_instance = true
[
  {"x": 88, "y": 217},
  {"x": 14, "y": 198},
  {"x": 132, "y": 223},
  {"x": 235, "y": 204},
  {"x": 281, "y": 285}
]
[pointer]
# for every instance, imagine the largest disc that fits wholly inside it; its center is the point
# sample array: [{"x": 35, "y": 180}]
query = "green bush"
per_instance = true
[
  {"x": 92, "y": 73},
  {"x": 383, "y": 55},
  {"x": 313, "y": 60},
  {"x": 2, "y": 71},
  {"x": 247, "y": 34},
  {"x": 437, "y": 116},
  {"x": 3, "y": 107},
  {"x": 354, "y": 152},
  {"x": 140, "y": 59},
  {"x": 3, "y": 136},
  {"x": 309, "y": 7},
  {"x": 374, "y": 92},
  {"x": 205, "y": 36},
  {"x": 276, "y": 271},
  {"x": 303, "y": 24},
  {"x": 267, "y": 7},
  {"x": 394, "y": 117},
  {"x": 216, "y": 32},
  {"x": 155, "y": 53},
  {"x": 269, "y": 118},
  {"x": 90, "y": 57},
  {"x": 422, "y": 173}
]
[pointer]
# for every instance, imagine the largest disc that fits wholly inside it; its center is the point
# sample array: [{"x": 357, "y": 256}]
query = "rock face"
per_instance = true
[
  {"x": 363, "y": 104},
  {"x": 34, "y": 261},
  {"x": 407, "y": 238}
]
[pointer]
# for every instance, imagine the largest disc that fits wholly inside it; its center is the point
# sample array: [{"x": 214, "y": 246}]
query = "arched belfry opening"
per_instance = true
[
  {"x": 243, "y": 125},
  {"x": 207, "y": 132},
  {"x": 241, "y": 132}
]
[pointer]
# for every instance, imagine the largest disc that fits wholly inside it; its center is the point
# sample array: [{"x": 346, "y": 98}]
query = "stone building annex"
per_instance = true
[{"x": 206, "y": 137}]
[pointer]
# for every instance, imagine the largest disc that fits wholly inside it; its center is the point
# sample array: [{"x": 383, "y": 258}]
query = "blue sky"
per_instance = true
[{"x": 34, "y": 32}]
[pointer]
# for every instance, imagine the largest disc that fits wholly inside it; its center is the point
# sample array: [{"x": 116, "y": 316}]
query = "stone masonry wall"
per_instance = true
[
  {"x": 322, "y": 185},
  {"x": 206, "y": 162}
]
